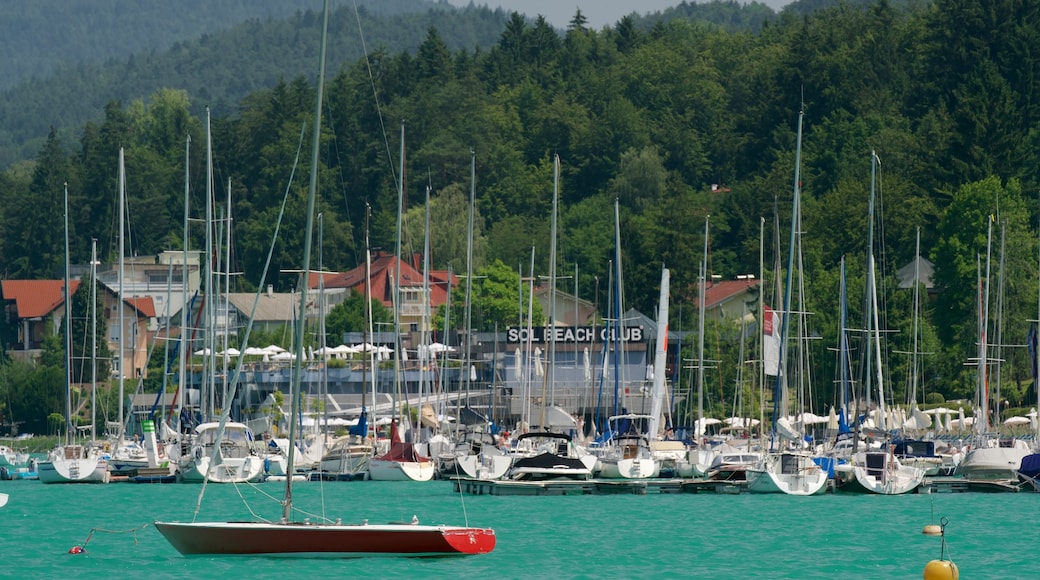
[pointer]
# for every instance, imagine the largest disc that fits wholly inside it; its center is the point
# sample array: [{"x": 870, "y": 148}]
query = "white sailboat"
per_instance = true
[
  {"x": 221, "y": 456},
  {"x": 632, "y": 455},
  {"x": 71, "y": 462},
  {"x": 785, "y": 469},
  {"x": 990, "y": 458},
  {"x": 876, "y": 470},
  {"x": 403, "y": 462}
]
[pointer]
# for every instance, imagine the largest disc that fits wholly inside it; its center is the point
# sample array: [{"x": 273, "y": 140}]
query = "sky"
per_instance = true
[{"x": 599, "y": 13}]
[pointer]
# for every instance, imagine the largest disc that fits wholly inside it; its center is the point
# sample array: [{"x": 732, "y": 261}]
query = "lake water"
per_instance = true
[{"x": 621, "y": 536}]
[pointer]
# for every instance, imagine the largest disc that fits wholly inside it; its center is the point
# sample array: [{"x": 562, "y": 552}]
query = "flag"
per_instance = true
[{"x": 771, "y": 341}]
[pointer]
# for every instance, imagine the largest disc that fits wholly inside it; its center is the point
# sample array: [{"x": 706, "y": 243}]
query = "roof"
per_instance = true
[
  {"x": 720, "y": 292},
  {"x": 144, "y": 305},
  {"x": 383, "y": 273},
  {"x": 272, "y": 307},
  {"x": 924, "y": 269},
  {"x": 37, "y": 298}
]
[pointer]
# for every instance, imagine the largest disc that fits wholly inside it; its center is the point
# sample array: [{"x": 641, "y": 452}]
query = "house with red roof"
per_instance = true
[
  {"x": 386, "y": 271},
  {"x": 730, "y": 299},
  {"x": 37, "y": 308}
]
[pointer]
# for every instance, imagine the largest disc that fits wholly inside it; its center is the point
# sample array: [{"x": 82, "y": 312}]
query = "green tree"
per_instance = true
[
  {"x": 983, "y": 217},
  {"x": 351, "y": 316}
]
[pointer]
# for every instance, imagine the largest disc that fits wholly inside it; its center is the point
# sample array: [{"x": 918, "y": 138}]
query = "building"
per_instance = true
[
  {"x": 416, "y": 309},
  {"x": 730, "y": 299},
  {"x": 36, "y": 308}
]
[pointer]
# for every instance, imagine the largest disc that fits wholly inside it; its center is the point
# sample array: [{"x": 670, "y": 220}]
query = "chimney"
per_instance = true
[{"x": 270, "y": 290}]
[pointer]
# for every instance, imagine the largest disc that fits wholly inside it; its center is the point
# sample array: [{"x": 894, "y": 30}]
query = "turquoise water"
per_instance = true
[{"x": 621, "y": 536}]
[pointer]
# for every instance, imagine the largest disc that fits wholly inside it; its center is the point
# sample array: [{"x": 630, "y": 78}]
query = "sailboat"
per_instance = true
[
  {"x": 71, "y": 462},
  {"x": 348, "y": 456},
  {"x": 785, "y": 469},
  {"x": 550, "y": 451},
  {"x": 632, "y": 456},
  {"x": 403, "y": 462},
  {"x": 292, "y": 537},
  {"x": 990, "y": 458},
  {"x": 475, "y": 453},
  {"x": 875, "y": 470}
]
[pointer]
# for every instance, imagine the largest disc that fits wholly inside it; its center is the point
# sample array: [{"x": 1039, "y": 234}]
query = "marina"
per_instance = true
[{"x": 562, "y": 536}]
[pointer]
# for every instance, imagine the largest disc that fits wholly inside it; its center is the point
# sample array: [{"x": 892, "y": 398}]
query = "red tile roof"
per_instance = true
[
  {"x": 37, "y": 298},
  {"x": 383, "y": 271},
  {"x": 142, "y": 304},
  {"x": 719, "y": 292}
]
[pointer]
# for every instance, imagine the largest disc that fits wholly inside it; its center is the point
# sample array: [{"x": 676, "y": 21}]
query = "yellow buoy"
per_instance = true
[
  {"x": 941, "y": 570},
  {"x": 932, "y": 530}
]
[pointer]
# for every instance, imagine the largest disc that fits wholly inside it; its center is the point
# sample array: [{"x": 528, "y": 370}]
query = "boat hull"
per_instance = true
[
  {"x": 886, "y": 477},
  {"x": 236, "y": 470},
  {"x": 632, "y": 468},
  {"x": 992, "y": 463},
  {"x": 390, "y": 470},
  {"x": 300, "y": 539},
  {"x": 791, "y": 475},
  {"x": 86, "y": 470}
]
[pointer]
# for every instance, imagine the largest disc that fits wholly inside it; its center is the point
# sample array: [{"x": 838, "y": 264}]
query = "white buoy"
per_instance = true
[{"x": 932, "y": 530}]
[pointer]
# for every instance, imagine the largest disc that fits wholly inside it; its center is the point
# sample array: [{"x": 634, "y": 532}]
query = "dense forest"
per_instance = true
[
  {"x": 676, "y": 122},
  {"x": 217, "y": 67}
]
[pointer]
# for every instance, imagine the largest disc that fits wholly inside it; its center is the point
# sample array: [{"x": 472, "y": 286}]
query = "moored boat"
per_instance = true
[{"x": 877, "y": 471}]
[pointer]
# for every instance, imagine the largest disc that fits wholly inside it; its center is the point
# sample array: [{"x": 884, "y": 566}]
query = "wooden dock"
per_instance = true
[
  {"x": 710, "y": 486},
  {"x": 594, "y": 486},
  {"x": 961, "y": 485}
]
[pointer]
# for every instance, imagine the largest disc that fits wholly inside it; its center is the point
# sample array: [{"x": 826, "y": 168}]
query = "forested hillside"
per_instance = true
[
  {"x": 44, "y": 34},
  {"x": 218, "y": 68},
  {"x": 944, "y": 93}
]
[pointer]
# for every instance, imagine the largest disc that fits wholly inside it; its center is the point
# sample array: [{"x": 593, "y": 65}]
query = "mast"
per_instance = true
[
  {"x": 917, "y": 311},
  {"x": 210, "y": 379},
  {"x": 785, "y": 319},
  {"x": 700, "y": 335},
  {"x": 93, "y": 339},
  {"x": 68, "y": 327},
  {"x": 619, "y": 287},
  {"x": 550, "y": 376},
  {"x": 761, "y": 325},
  {"x": 469, "y": 270},
  {"x": 983, "y": 346},
  {"x": 122, "y": 305},
  {"x": 397, "y": 282},
  {"x": 308, "y": 233},
  {"x": 185, "y": 350}
]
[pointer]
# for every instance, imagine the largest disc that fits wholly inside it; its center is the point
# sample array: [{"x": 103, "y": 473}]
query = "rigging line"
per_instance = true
[{"x": 375, "y": 96}]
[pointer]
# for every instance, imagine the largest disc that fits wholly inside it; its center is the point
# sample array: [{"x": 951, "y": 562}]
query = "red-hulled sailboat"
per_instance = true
[{"x": 329, "y": 539}]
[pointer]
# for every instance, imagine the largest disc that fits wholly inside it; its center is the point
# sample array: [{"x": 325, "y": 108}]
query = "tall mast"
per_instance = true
[
  {"x": 122, "y": 304},
  {"x": 210, "y": 380},
  {"x": 469, "y": 271},
  {"x": 781, "y": 375},
  {"x": 308, "y": 233},
  {"x": 550, "y": 376},
  {"x": 185, "y": 349},
  {"x": 397, "y": 282},
  {"x": 983, "y": 427},
  {"x": 700, "y": 334},
  {"x": 917, "y": 311},
  {"x": 93, "y": 339},
  {"x": 68, "y": 328}
]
